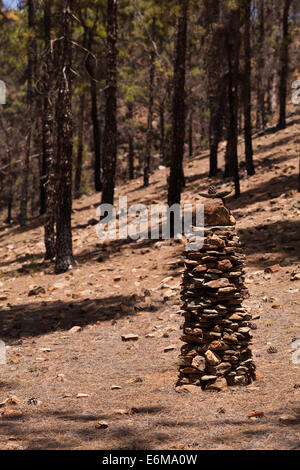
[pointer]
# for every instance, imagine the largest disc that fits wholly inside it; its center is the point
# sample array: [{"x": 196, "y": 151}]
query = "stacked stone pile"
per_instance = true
[{"x": 216, "y": 329}]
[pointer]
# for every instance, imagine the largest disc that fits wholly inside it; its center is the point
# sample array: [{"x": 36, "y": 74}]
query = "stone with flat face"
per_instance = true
[
  {"x": 215, "y": 213},
  {"x": 218, "y": 283}
]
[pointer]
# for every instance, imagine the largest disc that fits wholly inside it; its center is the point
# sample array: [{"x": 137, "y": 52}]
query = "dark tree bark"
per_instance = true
[
  {"x": 191, "y": 133},
  {"x": 9, "y": 180},
  {"x": 64, "y": 252},
  {"x": 96, "y": 128},
  {"x": 162, "y": 132},
  {"x": 260, "y": 90},
  {"x": 26, "y": 169},
  {"x": 176, "y": 179},
  {"x": 48, "y": 181},
  {"x": 284, "y": 60},
  {"x": 215, "y": 67},
  {"x": 215, "y": 131},
  {"x": 233, "y": 48},
  {"x": 78, "y": 171},
  {"x": 299, "y": 176},
  {"x": 110, "y": 133},
  {"x": 247, "y": 89},
  {"x": 96, "y": 136},
  {"x": 149, "y": 137},
  {"x": 43, "y": 178},
  {"x": 130, "y": 142}
]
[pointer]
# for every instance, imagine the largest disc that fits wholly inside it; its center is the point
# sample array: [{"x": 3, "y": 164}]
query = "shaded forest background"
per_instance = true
[{"x": 101, "y": 92}]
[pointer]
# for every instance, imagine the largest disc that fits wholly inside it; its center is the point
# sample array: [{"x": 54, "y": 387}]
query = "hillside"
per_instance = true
[{"x": 63, "y": 382}]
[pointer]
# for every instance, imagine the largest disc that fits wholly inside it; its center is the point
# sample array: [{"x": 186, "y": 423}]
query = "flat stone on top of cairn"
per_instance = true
[{"x": 216, "y": 329}]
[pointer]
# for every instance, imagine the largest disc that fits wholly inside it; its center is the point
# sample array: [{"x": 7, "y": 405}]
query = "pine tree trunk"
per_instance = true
[
  {"x": 130, "y": 143},
  {"x": 284, "y": 59},
  {"x": 26, "y": 169},
  {"x": 10, "y": 174},
  {"x": 48, "y": 140},
  {"x": 162, "y": 132},
  {"x": 9, "y": 186},
  {"x": 176, "y": 179},
  {"x": 149, "y": 137},
  {"x": 43, "y": 178},
  {"x": 215, "y": 129},
  {"x": 215, "y": 69},
  {"x": 260, "y": 78},
  {"x": 78, "y": 171},
  {"x": 96, "y": 136},
  {"x": 110, "y": 133},
  {"x": 247, "y": 90},
  {"x": 233, "y": 48},
  {"x": 191, "y": 133},
  {"x": 64, "y": 252}
]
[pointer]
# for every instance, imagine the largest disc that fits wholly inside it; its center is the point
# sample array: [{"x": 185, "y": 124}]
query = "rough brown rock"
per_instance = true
[
  {"x": 217, "y": 329},
  {"x": 215, "y": 213}
]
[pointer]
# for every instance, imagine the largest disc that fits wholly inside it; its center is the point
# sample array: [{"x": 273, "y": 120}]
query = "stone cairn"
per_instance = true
[{"x": 216, "y": 330}]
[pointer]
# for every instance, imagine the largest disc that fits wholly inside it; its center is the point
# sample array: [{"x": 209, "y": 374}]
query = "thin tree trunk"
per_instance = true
[
  {"x": 10, "y": 176},
  {"x": 284, "y": 59},
  {"x": 26, "y": 169},
  {"x": 149, "y": 137},
  {"x": 260, "y": 78},
  {"x": 233, "y": 41},
  {"x": 176, "y": 179},
  {"x": 10, "y": 194},
  {"x": 215, "y": 129},
  {"x": 48, "y": 141},
  {"x": 43, "y": 176},
  {"x": 64, "y": 252},
  {"x": 191, "y": 133},
  {"x": 110, "y": 133},
  {"x": 162, "y": 132},
  {"x": 299, "y": 176},
  {"x": 130, "y": 142},
  {"x": 247, "y": 90},
  {"x": 96, "y": 132},
  {"x": 78, "y": 171}
]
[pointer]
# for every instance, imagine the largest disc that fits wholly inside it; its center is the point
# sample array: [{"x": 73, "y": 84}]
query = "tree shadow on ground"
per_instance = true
[
  {"x": 34, "y": 319},
  {"x": 270, "y": 189},
  {"x": 81, "y": 430},
  {"x": 31, "y": 224},
  {"x": 270, "y": 162},
  {"x": 276, "y": 143},
  {"x": 282, "y": 237},
  {"x": 95, "y": 253}
]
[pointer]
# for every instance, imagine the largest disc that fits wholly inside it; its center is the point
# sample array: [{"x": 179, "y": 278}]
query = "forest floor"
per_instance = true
[{"x": 85, "y": 388}]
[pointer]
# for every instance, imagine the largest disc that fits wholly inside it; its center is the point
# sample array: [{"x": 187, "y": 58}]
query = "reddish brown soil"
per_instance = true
[{"x": 104, "y": 294}]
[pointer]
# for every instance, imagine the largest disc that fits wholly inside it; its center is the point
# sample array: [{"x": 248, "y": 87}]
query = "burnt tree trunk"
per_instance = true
[
  {"x": 191, "y": 133},
  {"x": 215, "y": 67},
  {"x": 26, "y": 169},
  {"x": 260, "y": 91},
  {"x": 149, "y": 136},
  {"x": 9, "y": 180},
  {"x": 176, "y": 179},
  {"x": 96, "y": 125},
  {"x": 284, "y": 60},
  {"x": 130, "y": 142},
  {"x": 110, "y": 132},
  {"x": 64, "y": 252},
  {"x": 48, "y": 140},
  {"x": 247, "y": 89},
  {"x": 162, "y": 132},
  {"x": 233, "y": 48},
  {"x": 97, "y": 137},
  {"x": 78, "y": 172},
  {"x": 215, "y": 131}
]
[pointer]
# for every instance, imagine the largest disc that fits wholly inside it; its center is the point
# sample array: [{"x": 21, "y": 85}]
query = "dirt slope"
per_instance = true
[{"x": 132, "y": 287}]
